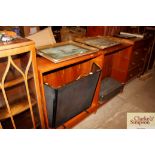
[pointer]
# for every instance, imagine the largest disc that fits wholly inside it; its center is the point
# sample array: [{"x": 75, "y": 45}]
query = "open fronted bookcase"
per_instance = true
[{"x": 20, "y": 105}]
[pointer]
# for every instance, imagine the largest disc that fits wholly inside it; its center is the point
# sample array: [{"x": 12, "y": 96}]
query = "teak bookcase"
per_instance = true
[{"x": 19, "y": 87}]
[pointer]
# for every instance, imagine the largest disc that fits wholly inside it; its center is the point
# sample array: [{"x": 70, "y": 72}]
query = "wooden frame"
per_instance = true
[
  {"x": 8, "y": 50},
  {"x": 90, "y": 50},
  {"x": 107, "y": 50},
  {"x": 84, "y": 40}
]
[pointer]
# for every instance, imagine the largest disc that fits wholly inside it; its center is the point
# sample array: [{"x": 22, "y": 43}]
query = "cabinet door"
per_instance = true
[{"x": 18, "y": 105}]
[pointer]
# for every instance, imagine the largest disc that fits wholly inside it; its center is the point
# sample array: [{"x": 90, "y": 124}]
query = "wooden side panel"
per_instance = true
[
  {"x": 120, "y": 65},
  {"x": 107, "y": 66}
]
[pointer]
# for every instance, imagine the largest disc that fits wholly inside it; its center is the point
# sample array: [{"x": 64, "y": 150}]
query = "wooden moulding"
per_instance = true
[
  {"x": 75, "y": 120},
  {"x": 37, "y": 86},
  {"x": 45, "y": 65},
  {"x": 17, "y": 43},
  {"x": 14, "y": 51}
]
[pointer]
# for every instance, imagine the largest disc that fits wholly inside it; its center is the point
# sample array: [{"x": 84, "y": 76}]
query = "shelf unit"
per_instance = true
[
  {"x": 15, "y": 81},
  {"x": 19, "y": 86},
  {"x": 16, "y": 108}
]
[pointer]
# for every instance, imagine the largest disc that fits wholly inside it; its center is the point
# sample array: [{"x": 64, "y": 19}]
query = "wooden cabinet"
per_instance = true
[
  {"x": 57, "y": 75},
  {"x": 116, "y": 58},
  {"x": 114, "y": 70},
  {"x": 19, "y": 87},
  {"x": 136, "y": 56}
]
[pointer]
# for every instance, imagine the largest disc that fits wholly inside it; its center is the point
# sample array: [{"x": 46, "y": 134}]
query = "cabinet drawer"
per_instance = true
[
  {"x": 139, "y": 53},
  {"x": 136, "y": 62},
  {"x": 134, "y": 72},
  {"x": 138, "y": 57}
]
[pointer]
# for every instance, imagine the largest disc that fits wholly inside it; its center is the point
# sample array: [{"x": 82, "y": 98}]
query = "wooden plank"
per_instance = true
[
  {"x": 15, "y": 44},
  {"x": 16, "y": 108},
  {"x": 15, "y": 51},
  {"x": 75, "y": 120},
  {"x": 15, "y": 82}
]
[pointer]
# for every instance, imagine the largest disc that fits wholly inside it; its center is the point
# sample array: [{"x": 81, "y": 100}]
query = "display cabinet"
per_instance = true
[
  {"x": 136, "y": 57},
  {"x": 69, "y": 81},
  {"x": 114, "y": 52},
  {"x": 20, "y": 105}
]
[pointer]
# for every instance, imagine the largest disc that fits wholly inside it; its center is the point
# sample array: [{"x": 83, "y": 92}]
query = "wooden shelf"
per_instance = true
[
  {"x": 15, "y": 82},
  {"x": 16, "y": 108}
]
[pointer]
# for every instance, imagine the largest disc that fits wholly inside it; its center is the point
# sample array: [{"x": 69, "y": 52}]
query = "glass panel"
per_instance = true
[
  {"x": 102, "y": 42},
  {"x": 64, "y": 52}
]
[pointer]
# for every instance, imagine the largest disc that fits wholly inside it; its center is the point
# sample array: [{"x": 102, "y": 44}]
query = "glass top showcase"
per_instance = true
[{"x": 64, "y": 52}]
